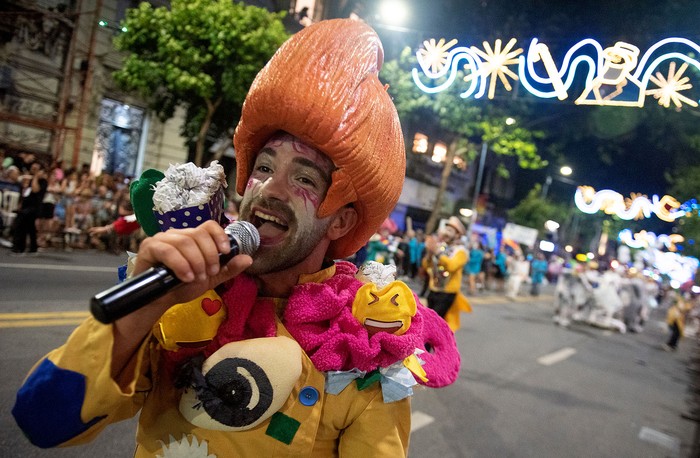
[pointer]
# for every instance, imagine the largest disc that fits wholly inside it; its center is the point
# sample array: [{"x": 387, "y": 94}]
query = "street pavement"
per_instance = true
[{"x": 527, "y": 388}]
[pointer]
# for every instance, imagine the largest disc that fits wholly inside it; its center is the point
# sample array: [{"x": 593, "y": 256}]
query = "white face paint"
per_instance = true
[{"x": 287, "y": 185}]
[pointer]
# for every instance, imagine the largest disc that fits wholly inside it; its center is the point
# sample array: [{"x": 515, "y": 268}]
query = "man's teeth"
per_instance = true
[{"x": 270, "y": 218}]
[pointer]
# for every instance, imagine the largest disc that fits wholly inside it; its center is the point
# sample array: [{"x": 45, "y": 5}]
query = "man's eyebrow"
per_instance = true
[
  {"x": 269, "y": 151},
  {"x": 309, "y": 163},
  {"x": 301, "y": 161}
]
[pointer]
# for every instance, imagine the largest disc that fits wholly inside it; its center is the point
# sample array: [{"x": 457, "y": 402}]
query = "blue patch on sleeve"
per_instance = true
[{"x": 48, "y": 405}]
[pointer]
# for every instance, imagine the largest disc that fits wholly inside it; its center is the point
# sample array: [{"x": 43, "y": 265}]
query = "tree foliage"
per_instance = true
[
  {"x": 534, "y": 210},
  {"x": 685, "y": 185},
  {"x": 466, "y": 124},
  {"x": 200, "y": 54}
]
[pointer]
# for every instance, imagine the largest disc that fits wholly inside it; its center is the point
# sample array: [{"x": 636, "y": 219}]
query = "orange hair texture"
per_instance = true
[{"x": 322, "y": 86}]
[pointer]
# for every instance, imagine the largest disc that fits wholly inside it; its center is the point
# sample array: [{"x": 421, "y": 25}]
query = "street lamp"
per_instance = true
[
  {"x": 393, "y": 12},
  {"x": 564, "y": 172},
  {"x": 466, "y": 212},
  {"x": 551, "y": 226},
  {"x": 389, "y": 18}
]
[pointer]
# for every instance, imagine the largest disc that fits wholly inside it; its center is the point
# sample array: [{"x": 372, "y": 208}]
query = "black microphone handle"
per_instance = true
[{"x": 136, "y": 292}]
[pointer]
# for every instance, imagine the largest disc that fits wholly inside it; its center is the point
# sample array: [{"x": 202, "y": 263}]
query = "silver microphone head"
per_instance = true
[{"x": 246, "y": 235}]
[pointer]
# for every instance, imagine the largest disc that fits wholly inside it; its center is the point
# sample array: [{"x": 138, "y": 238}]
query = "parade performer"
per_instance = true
[
  {"x": 607, "y": 305},
  {"x": 444, "y": 262},
  {"x": 283, "y": 353},
  {"x": 538, "y": 270},
  {"x": 675, "y": 319},
  {"x": 473, "y": 266}
]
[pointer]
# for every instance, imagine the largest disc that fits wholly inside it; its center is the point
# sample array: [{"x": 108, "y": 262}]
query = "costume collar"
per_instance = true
[{"x": 317, "y": 277}]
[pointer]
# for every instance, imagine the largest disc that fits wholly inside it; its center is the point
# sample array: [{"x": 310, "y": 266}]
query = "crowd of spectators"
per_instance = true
[{"x": 75, "y": 209}]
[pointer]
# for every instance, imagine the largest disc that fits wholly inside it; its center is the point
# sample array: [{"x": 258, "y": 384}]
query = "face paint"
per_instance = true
[
  {"x": 288, "y": 183},
  {"x": 311, "y": 200}
]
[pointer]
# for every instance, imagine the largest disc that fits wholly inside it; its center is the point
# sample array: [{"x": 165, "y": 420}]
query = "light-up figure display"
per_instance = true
[{"x": 619, "y": 75}]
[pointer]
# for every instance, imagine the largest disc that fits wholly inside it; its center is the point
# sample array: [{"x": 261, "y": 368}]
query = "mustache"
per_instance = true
[{"x": 273, "y": 205}]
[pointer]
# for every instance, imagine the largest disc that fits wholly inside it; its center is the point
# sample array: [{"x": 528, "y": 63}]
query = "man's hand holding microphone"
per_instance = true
[
  {"x": 172, "y": 267},
  {"x": 177, "y": 266}
]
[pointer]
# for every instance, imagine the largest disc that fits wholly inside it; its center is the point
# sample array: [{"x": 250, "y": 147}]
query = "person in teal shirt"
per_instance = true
[
  {"x": 416, "y": 247},
  {"x": 473, "y": 267},
  {"x": 538, "y": 269}
]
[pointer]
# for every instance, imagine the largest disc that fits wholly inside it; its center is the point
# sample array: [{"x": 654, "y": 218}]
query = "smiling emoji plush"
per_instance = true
[{"x": 389, "y": 309}]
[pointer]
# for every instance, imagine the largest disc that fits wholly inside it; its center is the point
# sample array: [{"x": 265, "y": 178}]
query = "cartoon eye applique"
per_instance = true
[
  {"x": 237, "y": 392},
  {"x": 242, "y": 384}
]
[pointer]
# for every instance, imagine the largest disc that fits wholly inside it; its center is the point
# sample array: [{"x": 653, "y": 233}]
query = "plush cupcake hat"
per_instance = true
[{"x": 322, "y": 87}]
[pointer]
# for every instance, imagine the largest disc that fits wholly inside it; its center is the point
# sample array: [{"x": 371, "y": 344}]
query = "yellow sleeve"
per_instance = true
[
  {"x": 70, "y": 396},
  {"x": 455, "y": 262}
]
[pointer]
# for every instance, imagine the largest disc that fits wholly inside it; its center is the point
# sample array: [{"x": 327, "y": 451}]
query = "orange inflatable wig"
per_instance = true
[{"x": 322, "y": 86}]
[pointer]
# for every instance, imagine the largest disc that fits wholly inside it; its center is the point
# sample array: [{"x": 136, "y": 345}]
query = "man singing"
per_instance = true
[{"x": 268, "y": 356}]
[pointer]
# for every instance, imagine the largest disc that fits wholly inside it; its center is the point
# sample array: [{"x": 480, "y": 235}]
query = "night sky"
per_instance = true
[{"x": 625, "y": 149}]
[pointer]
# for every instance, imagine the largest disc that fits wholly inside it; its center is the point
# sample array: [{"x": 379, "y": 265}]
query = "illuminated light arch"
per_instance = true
[
  {"x": 644, "y": 239},
  {"x": 613, "y": 203},
  {"x": 494, "y": 66},
  {"x": 433, "y": 57},
  {"x": 616, "y": 72},
  {"x": 452, "y": 58},
  {"x": 647, "y": 55},
  {"x": 667, "y": 88},
  {"x": 568, "y": 63},
  {"x": 618, "y": 75}
]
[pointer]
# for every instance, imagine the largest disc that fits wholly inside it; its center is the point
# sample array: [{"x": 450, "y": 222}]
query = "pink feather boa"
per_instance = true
[{"x": 319, "y": 316}]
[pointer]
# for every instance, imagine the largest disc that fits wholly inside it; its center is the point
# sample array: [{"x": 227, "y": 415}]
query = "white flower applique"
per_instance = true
[{"x": 185, "y": 449}]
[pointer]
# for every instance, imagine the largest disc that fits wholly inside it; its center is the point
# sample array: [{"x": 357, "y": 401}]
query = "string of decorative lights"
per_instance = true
[{"x": 618, "y": 75}]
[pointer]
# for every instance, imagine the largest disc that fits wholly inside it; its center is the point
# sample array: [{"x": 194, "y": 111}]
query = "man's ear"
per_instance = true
[{"x": 343, "y": 222}]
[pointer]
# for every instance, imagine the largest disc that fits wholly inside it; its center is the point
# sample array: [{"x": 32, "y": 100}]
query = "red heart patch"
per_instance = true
[{"x": 211, "y": 306}]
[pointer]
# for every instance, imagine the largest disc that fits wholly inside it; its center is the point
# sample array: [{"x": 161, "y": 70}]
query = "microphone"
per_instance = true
[{"x": 136, "y": 292}]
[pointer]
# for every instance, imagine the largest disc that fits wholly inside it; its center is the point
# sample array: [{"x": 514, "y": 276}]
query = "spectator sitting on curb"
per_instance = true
[{"x": 117, "y": 234}]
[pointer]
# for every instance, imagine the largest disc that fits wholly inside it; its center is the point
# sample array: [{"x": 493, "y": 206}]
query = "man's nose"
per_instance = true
[{"x": 276, "y": 187}]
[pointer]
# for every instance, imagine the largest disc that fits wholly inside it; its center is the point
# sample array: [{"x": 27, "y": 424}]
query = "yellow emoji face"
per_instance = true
[{"x": 387, "y": 310}]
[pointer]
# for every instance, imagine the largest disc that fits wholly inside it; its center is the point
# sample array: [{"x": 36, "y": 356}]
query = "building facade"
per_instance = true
[{"x": 58, "y": 99}]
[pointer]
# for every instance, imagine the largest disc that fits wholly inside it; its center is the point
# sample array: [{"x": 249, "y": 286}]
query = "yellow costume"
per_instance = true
[
  {"x": 322, "y": 87},
  {"x": 369, "y": 426},
  {"x": 445, "y": 275}
]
